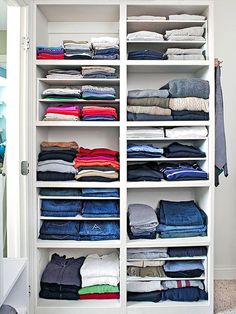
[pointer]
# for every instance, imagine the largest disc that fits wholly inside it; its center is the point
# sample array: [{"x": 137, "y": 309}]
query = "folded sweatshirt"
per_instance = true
[
  {"x": 189, "y": 31},
  {"x": 189, "y": 103}
]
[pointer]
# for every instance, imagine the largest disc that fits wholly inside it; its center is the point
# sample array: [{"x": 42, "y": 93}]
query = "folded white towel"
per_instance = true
[
  {"x": 179, "y": 51},
  {"x": 185, "y": 38},
  {"x": 145, "y": 36},
  {"x": 147, "y": 18},
  {"x": 186, "y": 57},
  {"x": 105, "y": 40},
  {"x": 189, "y": 17},
  {"x": 187, "y": 132},
  {"x": 189, "y": 31}
]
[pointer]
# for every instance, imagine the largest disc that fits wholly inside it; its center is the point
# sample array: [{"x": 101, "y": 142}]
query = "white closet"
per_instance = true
[{"x": 53, "y": 21}]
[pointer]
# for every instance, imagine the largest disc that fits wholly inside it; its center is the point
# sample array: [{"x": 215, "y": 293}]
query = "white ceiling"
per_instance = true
[{"x": 3, "y": 15}]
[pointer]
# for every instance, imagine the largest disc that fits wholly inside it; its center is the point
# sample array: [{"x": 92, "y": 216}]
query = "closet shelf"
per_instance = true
[
  {"x": 168, "y": 304},
  {"x": 76, "y": 184},
  {"x": 43, "y": 244},
  {"x": 195, "y": 241},
  {"x": 75, "y": 63},
  {"x": 77, "y": 198},
  {"x": 164, "y": 159},
  {"x": 102, "y": 124},
  {"x": 132, "y": 278},
  {"x": 167, "y": 184},
  {"x": 167, "y": 123},
  {"x": 78, "y": 218},
  {"x": 82, "y": 81}
]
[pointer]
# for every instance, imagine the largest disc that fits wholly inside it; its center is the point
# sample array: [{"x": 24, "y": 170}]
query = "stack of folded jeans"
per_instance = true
[
  {"x": 63, "y": 74},
  {"x": 177, "y": 150},
  {"x": 100, "y": 277},
  {"x": 181, "y": 219},
  {"x": 184, "y": 269},
  {"x": 98, "y": 113},
  {"x": 194, "y": 33},
  {"x": 61, "y": 208},
  {"x": 99, "y": 72},
  {"x": 56, "y": 161},
  {"x": 182, "y": 171},
  {"x": 187, "y": 132},
  {"x": 144, "y": 151},
  {"x": 148, "y": 104},
  {"x": 61, "y": 278},
  {"x": 146, "y": 133},
  {"x": 77, "y": 49},
  {"x": 105, "y": 48},
  {"x": 60, "y": 230},
  {"x": 142, "y": 222},
  {"x": 100, "y": 208},
  {"x": 184, "y": 54},
  {"x": 99, "y": 230},
  {"x": 144, "y": 172},
  {"x": 146, "y": 55},
  {"x": 50, "y": 53},
  {"x": 98, "y": 93},
  {"x": 62, "y": 93},
  {"x": 189, "y": 251},
  {"x": 145, "y": 36},
  {"x": 100, "y": 192},
  {"x": 62, "y": 113},
  {"x": 189, "y": 99},
  {"x": 99, "y": 164},
  {"x": 60, "y": 192}
]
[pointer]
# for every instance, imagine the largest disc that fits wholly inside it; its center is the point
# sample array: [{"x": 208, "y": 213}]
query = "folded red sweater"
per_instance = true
[
  {"x": 48, "y": 56},
  {"x": 97, "y": 152},
  {"x": 99, "y": 296}
]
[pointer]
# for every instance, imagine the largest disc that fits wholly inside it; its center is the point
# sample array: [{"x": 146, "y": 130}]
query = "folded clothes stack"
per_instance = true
[
  {"x": 100, "y": 277},
  {"x": 184, "y": 269},
  {"x": 189, "y": 98},
  {"x": 145, "y": 36},
  {"x": 62, "y": 113},
  {"x": 194, "y": 33},
  {"x": 98, "y": 113},
  {"x": 49, "y": 53},
  {"x": 144, "y": 151},
  {"x": 186, "y": 132},
  {"x": 100, "y": 164},
  {"x": 184, "y": 54},
  {"x": 77, "y": 49},
  {"x": 146, "y": 55},
  {"x": 60, "y": 74},
  {"x": 142, "y": 222},
  {"x": 105, "y": 47},
  {"x": 99, "y": 230},
  {"x": 181, "y": 219},
  {"x": 146, "y": 133},
  {"x": 148, "y": 104},
  {"x": 60, "y": 230},
  {"x": 61, "y": 278},
  {"x": 100, "y": 208},
  {"x": 149, "y": 171},
  {"x": 62, "y": 93},
  {"x": 177, "y": 150},
  {"x": 99, "y": 72},
  {"x": 61, "y": 208},
  {"x": 56, "y": 161},
  {"x": 100, "y": 192},
  {"x": 182, "y": 171},
  {"x": 90, "y": 92}
]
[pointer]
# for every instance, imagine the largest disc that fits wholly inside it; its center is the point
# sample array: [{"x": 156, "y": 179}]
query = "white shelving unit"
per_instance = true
[{"x": 52, "y": 22}]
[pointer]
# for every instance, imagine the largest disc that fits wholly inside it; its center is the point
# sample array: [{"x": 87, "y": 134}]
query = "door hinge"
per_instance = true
[
  {"x": 24, "y": 168},
  {"x": 26, "y": 43},
  {"x": 29, "y": 289}
]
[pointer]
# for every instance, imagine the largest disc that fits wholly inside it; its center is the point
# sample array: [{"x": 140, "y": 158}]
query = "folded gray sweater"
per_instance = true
[{"x": 191, "y": 87}]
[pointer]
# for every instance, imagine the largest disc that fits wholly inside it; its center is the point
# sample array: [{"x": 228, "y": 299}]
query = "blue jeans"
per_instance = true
[
  {"x": 100, "y": 192},
  {"x": 58, "y": 213},
  {"x": 104, "y": 208},
  {"x": 56, "y": 227},
  {"x": 62, "y": 205},
  {"x": 60, "y": 192},
  {"x": 187, "y": 294},
  {"x": 99, "y": 228}
]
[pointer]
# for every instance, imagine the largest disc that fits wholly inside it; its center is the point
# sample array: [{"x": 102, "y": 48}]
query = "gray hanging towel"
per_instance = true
[{"x": 220, "y": 142}]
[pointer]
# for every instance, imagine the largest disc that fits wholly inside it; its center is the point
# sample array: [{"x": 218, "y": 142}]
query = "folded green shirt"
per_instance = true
[{"x": 99, "y": 289}]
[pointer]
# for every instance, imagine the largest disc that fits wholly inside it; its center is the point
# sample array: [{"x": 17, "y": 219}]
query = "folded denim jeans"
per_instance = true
[
  {"x": 62, "y": 205},
  {"x": 100, "y": 208},
  {"x": 187, "y": 251},
  {"x": 59, "y": 213},
  {"x": 99, "y": 228},
  {"x": 100, "y": 192},
  {"x": 57, "y": 227},
  {"x": 188, "y": 294},
  {"x": 60, "y": 192}
]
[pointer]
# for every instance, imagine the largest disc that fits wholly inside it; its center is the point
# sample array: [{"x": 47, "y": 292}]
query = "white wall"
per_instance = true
[{"x": 225, "y": 194}]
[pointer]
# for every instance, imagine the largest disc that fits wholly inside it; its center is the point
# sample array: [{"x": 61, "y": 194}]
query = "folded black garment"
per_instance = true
[
  {"x": 45, "y": 294},
  {"x": 78, "y": 57},
  {"x": 187, "y": 294},
  {"x": 54, "y": 176},
  {"x": 154, "y": 296},
  {"x": 144, "y": 172},
  {"x": 101, "y": 168},
  {"x": 147, "y": 117},
  {"x": 146, "y": 55},
  {"x": 176, "y": 150},
  {"x": 187, "y": 251},
  {"x": 185, "y": 273},
  {"x": 53, "y": 287},
  {"x": 188, "y": 115},
  {"x": 62, "y": 155}
]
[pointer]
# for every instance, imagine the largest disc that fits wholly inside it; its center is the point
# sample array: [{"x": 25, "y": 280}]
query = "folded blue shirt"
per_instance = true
[{"x": 183, "y": 265}]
